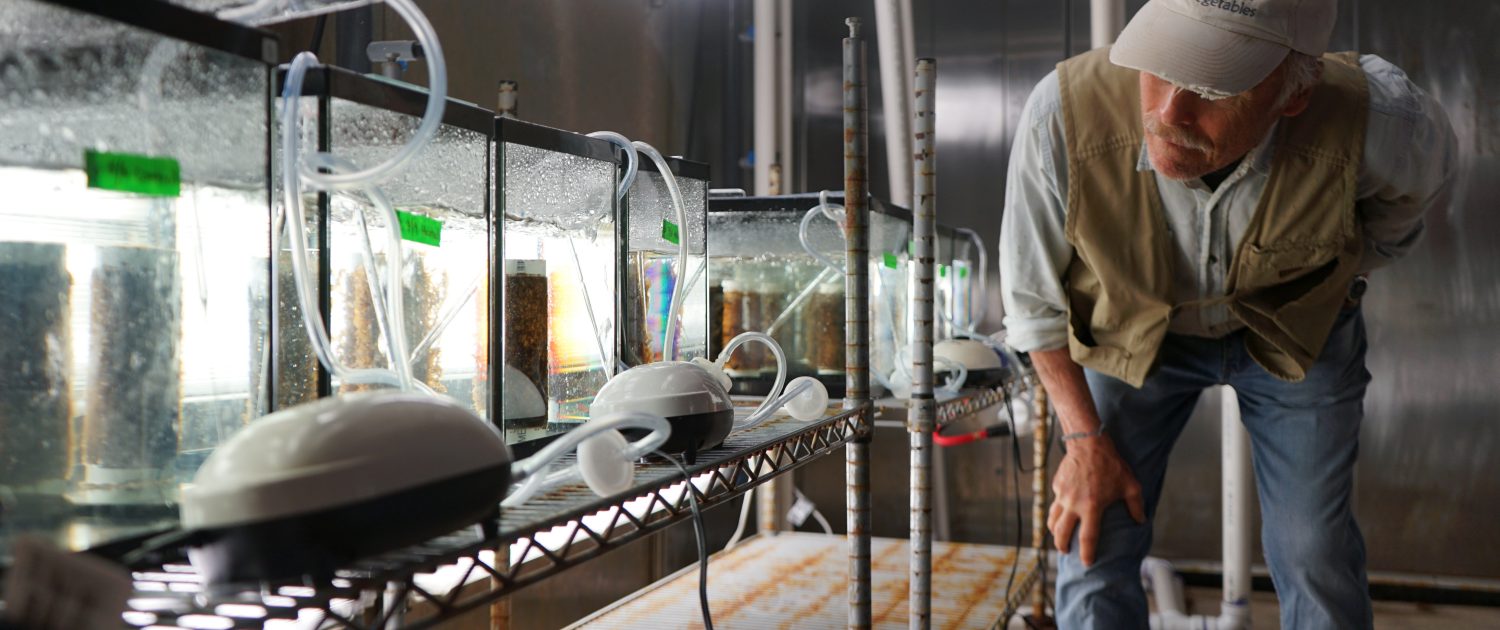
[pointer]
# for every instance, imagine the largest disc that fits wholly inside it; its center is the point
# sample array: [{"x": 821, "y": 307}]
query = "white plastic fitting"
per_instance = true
[{"x": 809, "y": 398}]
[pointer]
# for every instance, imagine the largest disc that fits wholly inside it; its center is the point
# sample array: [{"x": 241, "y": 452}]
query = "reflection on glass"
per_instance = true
[{"x": 651, "y": 265}]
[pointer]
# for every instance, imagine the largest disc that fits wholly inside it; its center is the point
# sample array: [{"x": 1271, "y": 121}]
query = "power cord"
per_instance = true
[
  {"x": 1015, "y": 472},
  {"x": 699, "y": 531}
]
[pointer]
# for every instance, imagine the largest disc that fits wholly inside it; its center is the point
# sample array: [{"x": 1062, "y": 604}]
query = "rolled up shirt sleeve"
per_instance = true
[
  {"x": 1410, "y": 164},
  {"x": 1034, "y": 250}
]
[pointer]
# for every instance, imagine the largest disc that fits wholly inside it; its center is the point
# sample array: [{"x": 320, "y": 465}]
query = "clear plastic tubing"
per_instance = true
[
  {"x": 588, "y": 306},
  {"x": 778, "y": 402},
  {"x": 954, "y": 383},
  {"x": 631, "y": 159},
  {"x": 768, "y": 406},
  {"x": 806, "y": 294},
  {"x": 674, "y": 310},
  {"x": 532, "y": 471},
  {"x": 374, "y": 285},
  {"x": 432, "y": 116},
  {"x": 829, "y": 266},
  {"x": 296, "y": 224},
  {"x": 346, "y": 177},
  {"x": 447, "y": 320},
  {"x": 984, "y": 278},
  {"x": 802, "y": 235},
  {"x": 394, "y": 306}
]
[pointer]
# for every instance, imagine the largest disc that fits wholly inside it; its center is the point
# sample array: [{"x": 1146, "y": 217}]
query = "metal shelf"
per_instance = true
[
  {"x": 554, "y": 531},
  {"x": 951, "y": 406},
  {"x": 793, "y": 580}
]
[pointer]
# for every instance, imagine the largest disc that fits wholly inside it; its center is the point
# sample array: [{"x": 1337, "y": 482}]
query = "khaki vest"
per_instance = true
[{"x": 1292, "y": 269}]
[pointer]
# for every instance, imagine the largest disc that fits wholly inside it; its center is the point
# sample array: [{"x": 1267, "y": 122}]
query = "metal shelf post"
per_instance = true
[
  {"x": 922, "y": 410},
  {"x": 856, "y": 316}
]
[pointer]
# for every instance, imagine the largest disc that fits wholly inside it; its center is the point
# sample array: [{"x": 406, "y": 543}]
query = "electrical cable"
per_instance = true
[
  {"x": 1014, "y": 472},
  {"x": 699, "y": 531}
]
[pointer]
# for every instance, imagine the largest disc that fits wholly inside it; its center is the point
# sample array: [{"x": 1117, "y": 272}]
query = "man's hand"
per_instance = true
[{"x": 1090, "y": 478}]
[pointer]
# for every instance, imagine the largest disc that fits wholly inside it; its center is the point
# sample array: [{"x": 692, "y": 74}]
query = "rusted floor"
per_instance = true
[{"x": 797, "y": 581}]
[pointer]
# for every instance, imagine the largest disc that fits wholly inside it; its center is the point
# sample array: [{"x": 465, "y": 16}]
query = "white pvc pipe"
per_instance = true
[
  {"x": 895, "y": 98},
  {"x": 1166, "y": 588},
  {"x": 908, "y": 48},
  {"x": 785, "y": 72},
  {"x": 1238, "y": 494},
  {"x": 1106, "y": 20},
  {"x": 764, "y": 89}
]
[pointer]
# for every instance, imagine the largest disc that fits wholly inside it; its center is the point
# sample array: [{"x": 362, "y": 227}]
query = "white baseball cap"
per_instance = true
[{"x": 1225, "y": 46}]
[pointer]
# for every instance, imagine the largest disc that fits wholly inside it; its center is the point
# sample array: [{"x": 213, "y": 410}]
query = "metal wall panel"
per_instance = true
[{"x": 1429, "y": 473}]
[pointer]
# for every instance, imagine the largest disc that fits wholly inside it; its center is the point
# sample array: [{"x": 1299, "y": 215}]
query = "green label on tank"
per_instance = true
[
  {"x": 419, "y": 229},
  {"x": 891, "y": 260},
  {"x": 669, "y": 232},
  {"x": 942, "y": 271},
  {"x": 154, "y": 176},
  {"x": 963, "y": 273}
]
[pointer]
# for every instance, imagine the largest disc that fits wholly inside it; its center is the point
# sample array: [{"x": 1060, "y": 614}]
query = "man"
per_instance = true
[{"x": 1199, "y": 206}]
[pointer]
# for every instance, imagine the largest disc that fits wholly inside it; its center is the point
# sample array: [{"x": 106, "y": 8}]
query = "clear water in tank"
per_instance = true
[
  {"x": 133, "y": 322},
  {"x": 444, "y": 273},
  {"x": 559, "y": 223},
  {"x": 758, "y": 268}
]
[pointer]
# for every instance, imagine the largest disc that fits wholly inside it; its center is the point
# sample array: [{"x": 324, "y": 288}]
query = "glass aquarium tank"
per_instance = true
[
  {"x": 958, "y": 298},
  {"x": 653, "y": 244},
  {"x": 441, "y": 203},
  {"x": 762, "y": 278},
  {"x": 134, "y": 262},
  {"x": 556, "y": 191}
]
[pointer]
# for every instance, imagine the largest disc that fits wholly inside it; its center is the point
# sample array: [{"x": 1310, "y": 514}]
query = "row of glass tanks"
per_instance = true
[
  {"x": 146, "y": 284},
  {"x": 149, "y": 302},
  {"x": 773, "y": 269}
]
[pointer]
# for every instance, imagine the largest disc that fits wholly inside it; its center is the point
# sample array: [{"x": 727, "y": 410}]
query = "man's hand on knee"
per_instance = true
[{"x": 1090, "y": 478}]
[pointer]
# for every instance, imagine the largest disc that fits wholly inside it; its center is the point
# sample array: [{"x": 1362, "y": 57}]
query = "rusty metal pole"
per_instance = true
[
  {"x": 921, "y": 413},
  {"x": 500, "y": 610},
  {"x": 857, "y": 322},
  {"x": 1039, "y": 492}
]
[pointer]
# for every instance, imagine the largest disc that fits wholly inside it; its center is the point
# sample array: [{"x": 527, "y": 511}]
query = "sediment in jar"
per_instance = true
[
  {"x": 825, "y": 325},
  {"x": 526, "y": 331},
  {"x": 425, "y": 292},
  {"x": 35, "y": 393},
  {"x": 135, "y": 367},
  {"x": 741, "y": 310}
]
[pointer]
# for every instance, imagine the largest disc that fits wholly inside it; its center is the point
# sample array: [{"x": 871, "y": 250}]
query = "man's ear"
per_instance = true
[{"x": 1297, "y": 104}]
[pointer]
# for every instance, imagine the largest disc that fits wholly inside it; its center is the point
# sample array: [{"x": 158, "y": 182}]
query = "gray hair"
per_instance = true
[{"x": 1303, "y": 72}]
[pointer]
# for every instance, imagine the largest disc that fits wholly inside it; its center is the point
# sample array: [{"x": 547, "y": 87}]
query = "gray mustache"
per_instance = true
[{"x": 1177, "y": 136}]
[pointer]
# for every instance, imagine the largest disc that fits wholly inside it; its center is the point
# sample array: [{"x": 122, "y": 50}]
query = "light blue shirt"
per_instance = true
[{"x": 1408, "y": 168}]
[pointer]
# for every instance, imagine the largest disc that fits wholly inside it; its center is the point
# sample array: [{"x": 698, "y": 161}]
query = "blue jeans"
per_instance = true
[{"x": 1304, "y": 440}]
